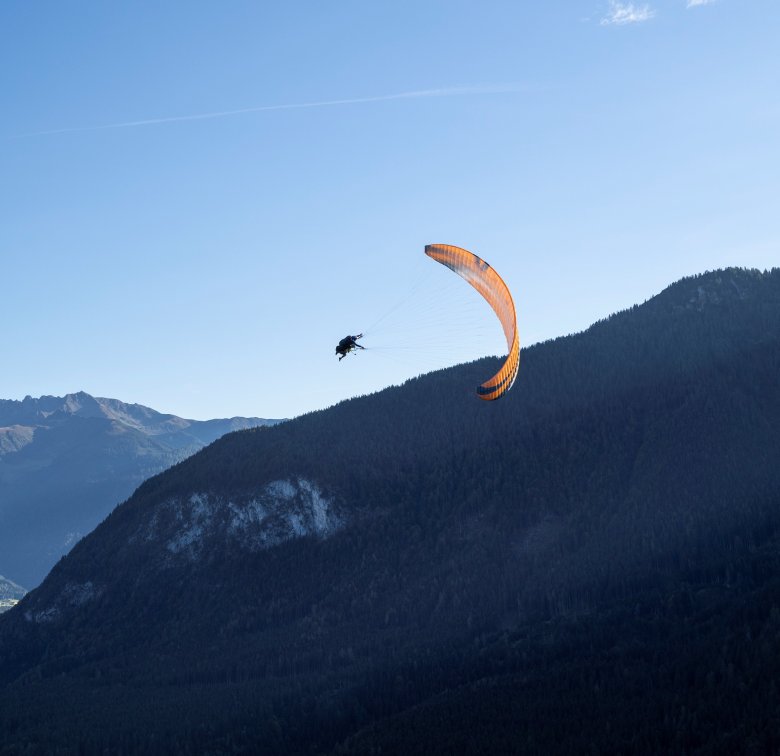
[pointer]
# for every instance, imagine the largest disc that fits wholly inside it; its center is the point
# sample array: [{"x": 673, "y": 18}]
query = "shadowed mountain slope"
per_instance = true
[
  {"x": 65, "y": 462},
  {"x": 589, "y": 564}
]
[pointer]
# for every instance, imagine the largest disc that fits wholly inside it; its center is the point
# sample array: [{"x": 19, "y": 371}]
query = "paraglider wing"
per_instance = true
[{"x": 490, "y": 285}]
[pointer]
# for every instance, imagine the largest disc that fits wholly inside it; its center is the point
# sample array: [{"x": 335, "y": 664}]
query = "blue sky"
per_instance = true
[{"x": 205, "y": 264}]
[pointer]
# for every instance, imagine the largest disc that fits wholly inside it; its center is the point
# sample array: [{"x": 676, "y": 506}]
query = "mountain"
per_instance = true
[
  {"x": 65, "y": 462},
  {"x": 591, "y": 564},
  {"x": 10, "y": 593}
]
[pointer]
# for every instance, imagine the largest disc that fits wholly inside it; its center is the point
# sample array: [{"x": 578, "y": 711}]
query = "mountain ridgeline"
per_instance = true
[
  {"x": 65, "y": 462},
  {"x": 589, "y": 564}
]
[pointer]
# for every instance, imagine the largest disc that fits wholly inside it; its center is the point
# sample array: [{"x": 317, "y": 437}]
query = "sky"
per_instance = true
[{"x": 199, "y": 199}]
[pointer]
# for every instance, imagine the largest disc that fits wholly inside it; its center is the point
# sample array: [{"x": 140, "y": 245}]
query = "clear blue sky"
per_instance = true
[{"x": 593, "y": 152}]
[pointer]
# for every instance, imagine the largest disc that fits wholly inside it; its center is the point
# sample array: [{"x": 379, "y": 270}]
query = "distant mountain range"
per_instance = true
[
  {"x": 65, "y": 462},
  {"x": 589, "y": 565}
]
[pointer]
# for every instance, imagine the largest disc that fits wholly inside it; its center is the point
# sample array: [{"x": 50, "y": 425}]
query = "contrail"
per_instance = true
[{"x": 419, "y": 94}]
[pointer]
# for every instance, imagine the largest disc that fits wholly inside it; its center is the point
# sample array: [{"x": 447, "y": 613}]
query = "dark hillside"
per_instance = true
[{"x": 589, "y": 564}]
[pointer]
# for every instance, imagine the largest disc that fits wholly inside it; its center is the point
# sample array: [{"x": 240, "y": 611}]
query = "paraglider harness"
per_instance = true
[{"x": 347, "y": 345}]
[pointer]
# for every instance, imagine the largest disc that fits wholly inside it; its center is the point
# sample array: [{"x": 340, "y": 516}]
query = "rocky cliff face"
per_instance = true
[{"x": 10, "y": 593}]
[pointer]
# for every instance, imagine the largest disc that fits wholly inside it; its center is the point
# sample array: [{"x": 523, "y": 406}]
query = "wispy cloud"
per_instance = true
[
  {"x": 620, "y": 14},
  {"x": 420, "y": 94},
  {"x": 696, "y": 3}
]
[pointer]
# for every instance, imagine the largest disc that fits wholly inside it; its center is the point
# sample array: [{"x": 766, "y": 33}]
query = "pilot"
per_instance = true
[{"x": 348, "y": 344}]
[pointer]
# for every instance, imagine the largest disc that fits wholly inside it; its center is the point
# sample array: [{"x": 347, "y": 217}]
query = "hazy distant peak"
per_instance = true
[
  {"x": 81, "y": 404},
  {"x": 137, "y": 416},
  {"x": 33, "y": 411}
]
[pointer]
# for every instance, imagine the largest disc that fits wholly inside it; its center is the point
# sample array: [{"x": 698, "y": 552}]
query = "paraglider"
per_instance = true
[
  {"x": 482, "y": 277},
  {"x": 491, "y": 286},
  {"x": 347, "y": 345}
]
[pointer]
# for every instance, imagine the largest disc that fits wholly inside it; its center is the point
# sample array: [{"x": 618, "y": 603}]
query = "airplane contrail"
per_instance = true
[{"x": 418, "y": 94}]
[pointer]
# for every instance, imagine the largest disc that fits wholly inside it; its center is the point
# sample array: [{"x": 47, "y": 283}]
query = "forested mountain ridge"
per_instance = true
[
  {"x": 66, "y": 461},
  {"x": 590, "y": 563}
]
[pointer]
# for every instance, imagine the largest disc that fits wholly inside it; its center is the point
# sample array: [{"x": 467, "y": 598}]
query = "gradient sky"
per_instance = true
[{"x": 174, "y": 232}]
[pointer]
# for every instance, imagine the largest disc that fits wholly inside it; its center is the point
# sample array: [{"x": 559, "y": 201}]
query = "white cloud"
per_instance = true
[
  {"x": 695, "y": 3},
  {"x": 627, "y": 13}
]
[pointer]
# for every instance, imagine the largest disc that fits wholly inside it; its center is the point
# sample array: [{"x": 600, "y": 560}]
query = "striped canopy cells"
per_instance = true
[{"x": 492, "y": 287}]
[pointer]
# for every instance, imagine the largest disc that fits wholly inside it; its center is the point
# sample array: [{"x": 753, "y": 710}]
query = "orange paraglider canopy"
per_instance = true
[{"x": 491, "y": 286}]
